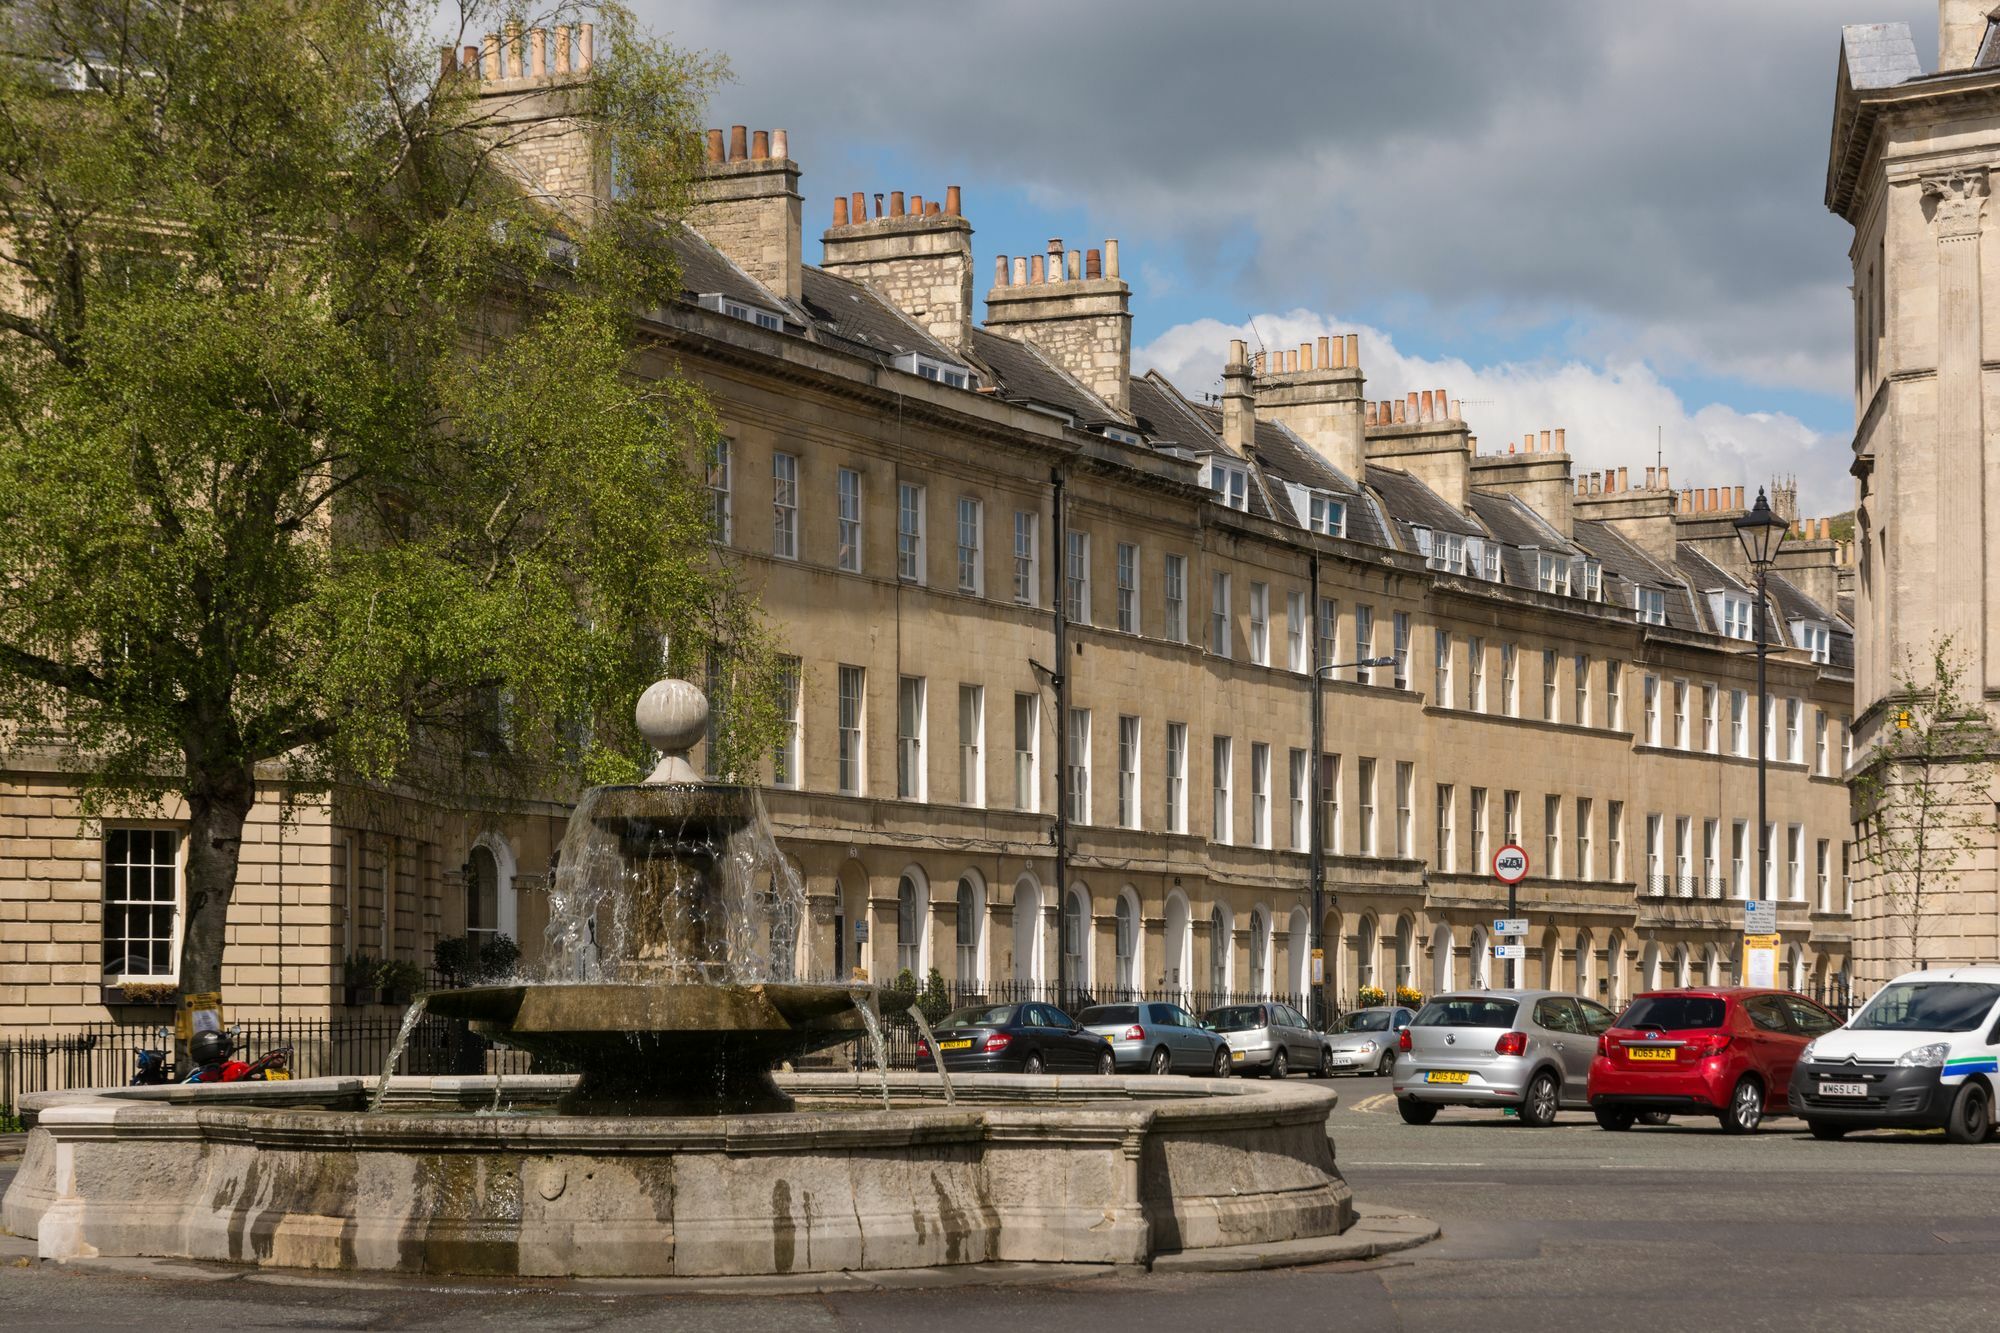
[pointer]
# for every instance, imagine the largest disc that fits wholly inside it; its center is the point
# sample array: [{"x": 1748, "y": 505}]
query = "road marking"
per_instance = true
[
  {"x": 1381, "y": 1101},
  {"x": 1442, "y": 1164}
]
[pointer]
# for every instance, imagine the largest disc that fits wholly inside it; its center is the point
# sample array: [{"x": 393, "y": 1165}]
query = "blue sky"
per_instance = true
[{"x": 1605, "y": 217}]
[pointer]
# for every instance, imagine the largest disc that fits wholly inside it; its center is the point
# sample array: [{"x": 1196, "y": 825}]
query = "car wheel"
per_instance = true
[
  {"x": 1162, "y": 1062},
  {"x": 1221, "y": 1069},
  {"x": 1386, "y": 1065},
  {"x": 1538, "y": 1108},
  {"x": 1280, "y": 1067},
  {"x": 1325, "y": 1064},
  {"x": 1826, "y": 1130},
  {"x": 1655, "y": 1117},
  {"x": 1416, "y": 1112},
  {"x": 1106, "y": 1065},
  {"x": 1746, "y": 1107},
  {"x": 1612, "y": 1118},
  {"x": 1033, "y": 1064},
  {"x": 1971, "y": 1114}
]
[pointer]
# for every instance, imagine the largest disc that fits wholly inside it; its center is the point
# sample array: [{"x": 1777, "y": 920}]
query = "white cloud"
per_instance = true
[{"x": 1615, "y": 415}]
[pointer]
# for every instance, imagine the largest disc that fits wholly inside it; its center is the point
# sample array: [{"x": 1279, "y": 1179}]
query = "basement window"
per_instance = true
[{"x": 940, "y": 372}]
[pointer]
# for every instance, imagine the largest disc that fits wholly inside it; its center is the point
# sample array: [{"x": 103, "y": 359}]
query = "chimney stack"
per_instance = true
[
  {"x": 1239, "y": 404},
  {"x": 1077, "y": 311},
  {"x": 919, "y": 259},
  {"x": 531, "y": 106},
  {"x": 1315, "y": 392},
  {"x": 748, "y": 207}
]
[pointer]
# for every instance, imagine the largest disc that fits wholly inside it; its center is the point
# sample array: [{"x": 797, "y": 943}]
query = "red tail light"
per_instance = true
[
  {"x": 1604, "y": 1044},
  {"x": 996, "y": 1042},
  {"x": 1707, "y": 1044},
  {"x": 1511, "y": 1043},
  {"x": 1403, "y": 1040},
  {"x": 1133, "y": 1033}
]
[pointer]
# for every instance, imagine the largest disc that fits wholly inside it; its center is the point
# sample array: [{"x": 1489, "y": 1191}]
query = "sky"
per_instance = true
[{"x": 1595, "y": 214}]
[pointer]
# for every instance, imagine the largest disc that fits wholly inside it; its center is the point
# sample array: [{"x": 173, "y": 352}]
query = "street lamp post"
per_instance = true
[
  {"x": 1316, "y": 855},
  {"x": 1761, "y": 531}
]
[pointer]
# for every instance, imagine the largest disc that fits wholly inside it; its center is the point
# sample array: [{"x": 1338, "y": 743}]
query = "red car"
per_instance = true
[{"x": 1725, "y": 1051}]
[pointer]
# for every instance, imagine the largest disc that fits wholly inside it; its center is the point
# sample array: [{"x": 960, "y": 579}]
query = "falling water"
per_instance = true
[
  {"x": 499, "y": 1077},
  {"x": 597, "y": 902},
  {"x": 877, "y": 1046},
  {"x": 410, "y": 1019},
  {"x": 937, "y": 1056}
]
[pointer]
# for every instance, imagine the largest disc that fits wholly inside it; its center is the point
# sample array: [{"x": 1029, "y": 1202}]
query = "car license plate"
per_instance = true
[
  {"x": 1843, "y": 1089},
  {"x": 1107, "y": 1039},
  {"x": 1447, "y": 1076},
  {"x": 1666, "y": 1053},
  {"x": 1236, "y": 1055},
  {"x": 965, "y": 1045}
]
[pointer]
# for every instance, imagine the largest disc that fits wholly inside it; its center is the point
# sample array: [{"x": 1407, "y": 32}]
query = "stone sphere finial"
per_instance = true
[{"x": 672, "y": 715}]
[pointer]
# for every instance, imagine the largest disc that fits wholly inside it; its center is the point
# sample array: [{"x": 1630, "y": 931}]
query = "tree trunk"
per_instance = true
[{"x": 217, "y": 812}]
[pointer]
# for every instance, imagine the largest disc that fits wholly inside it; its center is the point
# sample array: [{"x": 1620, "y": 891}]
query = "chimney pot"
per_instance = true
[
  {"x": 1354, "y": 349},
  {"x": 1291, "y": 361},
  {"x": 932, "y": 210},
  {"x": 447, "y": 61},
  {"x": 715, "y": 149},
  {"x": 896, "y": 204},
  {"x": 760, "y": 145},
  {"x": 585, "y": 45},
  {"x": 1368, "y": 418},
  {"x": 511, "y": 52},
  {"x": 839, "y": 209},
  {"x": 1561, "y": 447},
  {"x": 916, "y": 205},
  {"x": 489, "y": 51},
  {"x": 1663, "y": 479},
  {"x": 1075, "y": 258},
  {"x": 999, "y": 270},
  {"x": 1402, "y": 416},
  {"x": 781, "y": 145},
  {"x": 1339, "y": 350},
  {"x": 951, "y": 201},
  {"x": 1528, "y": 443},
  {"x": 562, "y": 48},
  {"x": 878, "y": 205},
  {"x": 1325, "y": 353},
  {"x": 469, "y": 61},
  {"x": 1430, "y": 406},
  {"x": 1739, "y": 498},
  {"x": 858, "y": 211},
  {"x": 1035, "y": 275},
  {"x": 1020, "y": 270},
  {"x": 1454, "y": 411},
  {"x": 1093, "y": 263},
  {"x": 1649, "y": 479},
  {"x": 1111, "y": 258},
  {"x": 1472, "y": 443},
  {"x": 1510, "y": 446},
  {"x": 1545, "y": 441},
  {"x": 1259, "y": 363},
  {"x": 1237, "y": 350},
  {"x": 738, "y": 143},
  {"x": 1410, "y": 400}
]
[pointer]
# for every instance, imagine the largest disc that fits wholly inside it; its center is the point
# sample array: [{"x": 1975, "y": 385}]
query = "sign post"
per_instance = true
[
  {"x": 1510, "y": 867},
  {"x": 1760, "y": 943}
]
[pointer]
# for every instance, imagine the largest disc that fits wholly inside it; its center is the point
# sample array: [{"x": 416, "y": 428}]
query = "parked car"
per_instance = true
[
  {"x": 1158, "y": 1038},
  {"x": 1722, "y": 1051},
  {"x": 1363, "y": 1041},
  {"x": 1028, "y": 1038},
  {"x": 1271, "y": 1039},
  {"x": 1526, "y": 1049},
  {"x": 1921, "y": 1055}
]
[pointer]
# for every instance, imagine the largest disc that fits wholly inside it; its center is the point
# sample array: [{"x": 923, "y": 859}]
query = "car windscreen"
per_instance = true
[
  {"x": 1673, "y": 1013},
  {"x": 1467, "y": 1011},
  {"x": 1366, "y": 1020},
  {"x": 984, "y": 1016},
  {"x": 1237, "y": 1017},
  {"x": 1927, "y": 1006},
  {"x": 1104, "y": 1014}
]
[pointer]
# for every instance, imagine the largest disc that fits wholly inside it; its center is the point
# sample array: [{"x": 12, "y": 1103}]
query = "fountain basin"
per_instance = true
[
  {"x": 1023, "y": 1169},
  {"x": 663, "y": 1049}
]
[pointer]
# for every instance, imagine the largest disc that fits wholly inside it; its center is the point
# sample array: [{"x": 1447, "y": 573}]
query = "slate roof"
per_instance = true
[
  {"x": 1022, "y": 374},
  {"x": 848, "y": 316},
  {"x": 1878, "y": 55},
  {"x": 1166, "y": 417},
  {"x": 1626, "y": 567},
  {"x": 1409, "y": 502},
  {"x": 1794, "y": 604},
  {"x": 705, "y": 269}
]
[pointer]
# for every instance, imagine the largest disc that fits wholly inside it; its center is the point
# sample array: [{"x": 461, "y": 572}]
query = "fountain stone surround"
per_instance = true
[{"x": 1046, "y": 1169}]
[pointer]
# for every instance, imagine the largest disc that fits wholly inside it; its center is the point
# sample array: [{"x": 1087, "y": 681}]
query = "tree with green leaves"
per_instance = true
[
  {"x": 324, "y": 454},
  {"x": 1922, "y": 794}
]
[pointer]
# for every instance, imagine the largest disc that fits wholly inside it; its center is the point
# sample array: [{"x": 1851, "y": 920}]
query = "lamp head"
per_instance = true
[{"x": 1760, "y": 531}]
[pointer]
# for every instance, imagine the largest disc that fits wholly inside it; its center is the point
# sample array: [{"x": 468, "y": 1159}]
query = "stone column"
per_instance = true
[{"x": 1957, "y": 202}]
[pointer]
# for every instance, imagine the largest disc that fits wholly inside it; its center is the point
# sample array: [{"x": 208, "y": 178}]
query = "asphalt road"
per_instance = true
[{"x": 1568, "y": 1227}]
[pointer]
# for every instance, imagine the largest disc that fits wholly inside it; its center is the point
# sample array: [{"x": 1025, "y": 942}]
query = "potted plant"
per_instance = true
[
  {"x": 141, "y": 992},
  {"x": 400, "y": 979},
  {"x": 359, "y": 979},
  {"x": 1410, "y": 997},
  {"x": 1371, "y": 996}
]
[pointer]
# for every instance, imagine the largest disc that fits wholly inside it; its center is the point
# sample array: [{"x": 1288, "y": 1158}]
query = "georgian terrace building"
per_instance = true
[{"x": 1573, "y": 668}]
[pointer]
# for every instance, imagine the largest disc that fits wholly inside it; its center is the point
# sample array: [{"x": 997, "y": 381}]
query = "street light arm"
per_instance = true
[{"x": 1364, "y": 662}]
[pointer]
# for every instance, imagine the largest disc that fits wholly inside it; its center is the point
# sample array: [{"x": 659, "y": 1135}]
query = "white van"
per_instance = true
[{"x": 1923, "y": 1054}]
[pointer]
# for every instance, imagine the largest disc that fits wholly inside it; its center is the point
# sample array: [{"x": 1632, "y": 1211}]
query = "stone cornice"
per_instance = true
[{"x": 1858, "y": 113}]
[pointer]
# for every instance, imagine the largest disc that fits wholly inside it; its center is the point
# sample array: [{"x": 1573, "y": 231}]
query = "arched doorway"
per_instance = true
[
  {"x": 1298, "y": 976},
  {"x": 1365, "y": 951},
  {"x": 1179, "y": 960},
  {"x": 1581, "y": 975},
  {"x": 1406, "y": 953},
  {"x": 1076, "y": 937},
  {"x": 1443, "y": 953},
  {"x": 1260, "y": 952},
  {"x": 1649, "y": 966},
  {"x": 912, "y": 923},
  {"x": 1477, "y": 959},
  {"x": 970, "y": 931},
  {"x": 1220, "y": 928},
  {"x": 1126, "y": 942},
  {"x": 1028, "y": 931}
]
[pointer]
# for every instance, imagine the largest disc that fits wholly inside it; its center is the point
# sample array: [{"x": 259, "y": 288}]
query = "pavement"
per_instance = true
[{"x": 1676, "y": 1227}]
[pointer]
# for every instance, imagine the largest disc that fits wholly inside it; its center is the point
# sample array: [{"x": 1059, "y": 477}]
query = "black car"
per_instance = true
[{"x": 1030, "y": 1038}]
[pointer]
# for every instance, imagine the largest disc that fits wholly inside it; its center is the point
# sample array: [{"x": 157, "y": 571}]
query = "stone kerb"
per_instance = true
[{"x": 1123, "y": 1170}]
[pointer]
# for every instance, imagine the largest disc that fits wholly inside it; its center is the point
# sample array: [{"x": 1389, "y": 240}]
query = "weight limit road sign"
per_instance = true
[{"x": 1510, "y": 864}]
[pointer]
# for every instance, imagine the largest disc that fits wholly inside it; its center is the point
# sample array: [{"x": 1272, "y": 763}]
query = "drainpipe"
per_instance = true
[
  {"x": 1316, "y": 874},
  {"x": 1059, "y": 681}
]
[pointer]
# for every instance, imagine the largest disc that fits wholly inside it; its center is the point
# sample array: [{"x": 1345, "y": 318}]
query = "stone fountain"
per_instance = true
[
  {"x": 667, "y": 987},
  {"x": 664, "y": 947}
]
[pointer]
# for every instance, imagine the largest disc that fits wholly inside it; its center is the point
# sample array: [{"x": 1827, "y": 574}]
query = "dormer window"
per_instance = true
[
  {"x": 1445, "y": 551},
  {"x": 1815, "y": 638},
  {"x": 1651, "y": 604},
  {"x": 1552, "y": 573},
  {"x": 1733, "y": 614},
  {"x": 1593, "y": 581},
  {"x": 1420, "y": 536},
  {"x": 1230, "y": 483},
  {"x": 749, "y": 314},
  {"x": 1482, "y": 560},
  {"x": 1121, "y": 435},
  {"x": 930, "y": 368},
  {"x": 1326, "y": 515}
]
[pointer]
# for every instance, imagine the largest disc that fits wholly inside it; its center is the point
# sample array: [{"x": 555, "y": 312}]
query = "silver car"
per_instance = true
[
  {"x": 1158, "y": 1038},
  {"x": 1527, "y": 1049},
  {"x": 1363, "y": 1041},
  {"x": 1268, "y": 1038}
]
